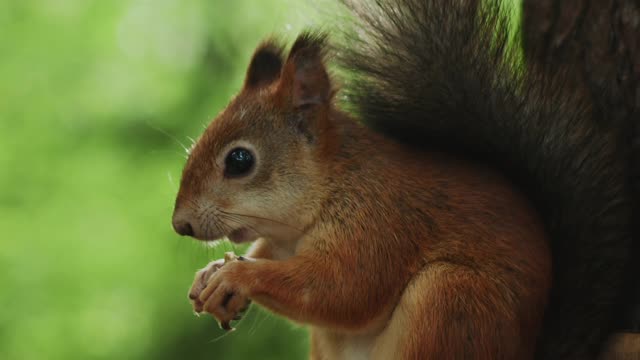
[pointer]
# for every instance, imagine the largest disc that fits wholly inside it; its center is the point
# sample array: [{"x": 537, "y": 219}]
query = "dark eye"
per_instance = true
[{"x": 239, "y": 162}]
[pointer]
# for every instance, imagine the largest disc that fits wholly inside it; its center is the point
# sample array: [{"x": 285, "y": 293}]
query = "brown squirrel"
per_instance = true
[{"x": 475, "y": 210}]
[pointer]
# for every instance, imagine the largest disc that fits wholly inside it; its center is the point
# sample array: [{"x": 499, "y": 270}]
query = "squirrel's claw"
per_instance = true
[{"x": 226, "y": 326}]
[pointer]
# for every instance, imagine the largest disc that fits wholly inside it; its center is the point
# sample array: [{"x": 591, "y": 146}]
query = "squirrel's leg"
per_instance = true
[
  {"x": 454, "y": 312},
  {"x": 307, "y": 289},
  {"x": 315, "y": 352}
]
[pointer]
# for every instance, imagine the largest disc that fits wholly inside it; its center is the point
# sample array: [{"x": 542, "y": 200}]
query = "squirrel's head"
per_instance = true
[{"x": 256, "y": 169}]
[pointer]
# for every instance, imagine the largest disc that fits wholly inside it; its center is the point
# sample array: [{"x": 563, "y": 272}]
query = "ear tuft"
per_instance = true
[
  {"x": 309, "y": 46},
  {"x": 309, "y": 79},
  {"x": 266, "y": 65}
]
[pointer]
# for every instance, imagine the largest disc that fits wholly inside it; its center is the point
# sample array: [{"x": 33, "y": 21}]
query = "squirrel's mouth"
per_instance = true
[{"x": 242, "y": 235}]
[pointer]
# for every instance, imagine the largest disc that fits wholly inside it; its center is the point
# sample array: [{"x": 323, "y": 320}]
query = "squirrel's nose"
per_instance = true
[{"x": 183, "y": 228}]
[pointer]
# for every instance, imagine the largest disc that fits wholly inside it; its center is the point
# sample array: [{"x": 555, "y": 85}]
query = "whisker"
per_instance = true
[
  {"x": 225, "y": 334},
  {"x": 220, "y": 226},
  {"x": 239, "y": 222},
  {"x": 194, "y": 205},
  {"x": 259, "y": 322},
  {"x": 175, "y": 139},
  {"x": 173, "y": 184},
  {"x": 172, "y": 152},
  {"x": 262, "y": 218}
]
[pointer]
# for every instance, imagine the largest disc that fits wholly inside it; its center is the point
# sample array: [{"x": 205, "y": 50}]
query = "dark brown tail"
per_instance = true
[{"x": 441, "y": 74}]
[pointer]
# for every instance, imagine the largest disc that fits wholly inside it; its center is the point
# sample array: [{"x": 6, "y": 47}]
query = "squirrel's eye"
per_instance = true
[{"x": 239, "y": 162}]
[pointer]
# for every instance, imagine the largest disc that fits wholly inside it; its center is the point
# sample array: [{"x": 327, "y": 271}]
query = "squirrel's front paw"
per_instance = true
[
  {"x": 200, "y": 282},
  {"x": 224, "y": 297}
]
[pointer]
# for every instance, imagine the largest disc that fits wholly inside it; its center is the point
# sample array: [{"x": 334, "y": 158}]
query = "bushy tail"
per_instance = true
[{"x": 441, "y": 74}]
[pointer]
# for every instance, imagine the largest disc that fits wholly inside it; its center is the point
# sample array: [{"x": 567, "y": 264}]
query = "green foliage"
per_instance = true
[{"x": 97, "y": 101}]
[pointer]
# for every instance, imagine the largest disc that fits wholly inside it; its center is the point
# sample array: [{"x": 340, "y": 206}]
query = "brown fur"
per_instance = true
[
  {"x": 622, "y": 346},
  {"x": 385, "y": 251}
]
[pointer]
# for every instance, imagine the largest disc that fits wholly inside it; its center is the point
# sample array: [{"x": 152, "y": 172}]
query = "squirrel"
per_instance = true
[{"x": 463, "y": 206}]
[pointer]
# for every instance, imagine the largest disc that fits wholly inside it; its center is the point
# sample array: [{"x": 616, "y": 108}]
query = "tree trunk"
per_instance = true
[{"x": 597, "y": 42}]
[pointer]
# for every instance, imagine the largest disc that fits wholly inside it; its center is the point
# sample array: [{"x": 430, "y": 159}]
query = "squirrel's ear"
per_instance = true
[
  {"x": 304, "y": 74},
  {"x": 265, "y": 66}
]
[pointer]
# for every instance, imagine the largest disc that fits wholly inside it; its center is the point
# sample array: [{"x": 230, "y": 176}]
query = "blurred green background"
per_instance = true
[{"x": 97, "y": 101}]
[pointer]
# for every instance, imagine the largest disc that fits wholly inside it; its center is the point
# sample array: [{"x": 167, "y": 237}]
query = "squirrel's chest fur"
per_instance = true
[
  {"x": 428, "y": 222},
  {"x": 329, "y": 345}
]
